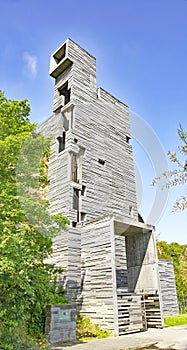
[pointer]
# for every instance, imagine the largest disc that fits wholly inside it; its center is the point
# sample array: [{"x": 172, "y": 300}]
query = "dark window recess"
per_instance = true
[
  {"x": 128, "y": 139},
  {"x": 130, "y": 211},
  {"x": 75, "y": 199},
  {"x": 74, "y": 223},
  {"x": 62, "y": 142},
  {"x": 83, "y": 190},
  {"x": 101, "y": 161},
  {"x": 74, "y": 168},
  {"x": 78, "y": 216},
  {"x": 60, "y": 54},
  {"x": 75, "y": 140},
  {"x": 64, "y": 91},
  {"x": 83, "y": 216}
]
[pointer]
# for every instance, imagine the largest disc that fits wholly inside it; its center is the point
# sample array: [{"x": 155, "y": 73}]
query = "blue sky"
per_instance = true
[{"x": 141, "y": 52}]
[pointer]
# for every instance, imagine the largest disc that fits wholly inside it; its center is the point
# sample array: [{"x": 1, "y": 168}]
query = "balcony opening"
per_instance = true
[
  {"x": 83, "y": 191},
  {"x": 101, "y": 161},
  {"x": 64, "y": 91},
  {"x": 75, "y": 168},
  {"x": 75, "y": 199},
  {"x": 61, "y": 142},
  {"x": 60, "y": 54}
]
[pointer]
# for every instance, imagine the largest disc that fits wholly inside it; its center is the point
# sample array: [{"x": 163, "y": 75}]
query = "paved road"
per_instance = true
[{"x": 166, "y": 338}]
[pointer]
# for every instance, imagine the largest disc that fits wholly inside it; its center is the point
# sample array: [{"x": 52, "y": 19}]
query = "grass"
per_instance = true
[{"x": 177, "y": 320}]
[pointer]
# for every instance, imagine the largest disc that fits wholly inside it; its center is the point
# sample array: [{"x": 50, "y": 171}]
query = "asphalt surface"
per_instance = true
[{"x": 166, "y": 338}]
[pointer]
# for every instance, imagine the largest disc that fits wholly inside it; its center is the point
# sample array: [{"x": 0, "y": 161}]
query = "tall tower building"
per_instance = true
[{"x": 109, "y": 258}]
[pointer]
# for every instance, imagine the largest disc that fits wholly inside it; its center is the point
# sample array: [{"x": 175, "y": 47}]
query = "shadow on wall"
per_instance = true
[{"x": 138, "y": 255}]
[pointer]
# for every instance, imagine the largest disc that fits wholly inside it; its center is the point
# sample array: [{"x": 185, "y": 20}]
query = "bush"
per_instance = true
[{"x": 87, "y": 329}]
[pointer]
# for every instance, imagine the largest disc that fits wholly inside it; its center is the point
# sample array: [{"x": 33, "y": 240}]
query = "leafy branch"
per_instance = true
[{"x": 178, "y": 176}]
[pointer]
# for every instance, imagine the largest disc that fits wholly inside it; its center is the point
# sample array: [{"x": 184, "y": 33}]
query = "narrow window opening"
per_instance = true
[
  {"x": 75, "y": 199},
  {"x": 61, "y": 142},
  {"x": 83, "y": 216},
  {"x": 75, "y": 140},
  {"x": 130, "y": 211},
  {"x": 65, "y": 123},
  {"x": 83, "y": 191},
  {"x": 101, "y": 161},
  {"x": 74, "y": 223},
  {"x": 75, "y": 168},
  {"x": 60, "y": 54},
  {"x": 64, "y": 91},
  {"x": 128, "y": 139},
  {"x": 72, "y": 119}
]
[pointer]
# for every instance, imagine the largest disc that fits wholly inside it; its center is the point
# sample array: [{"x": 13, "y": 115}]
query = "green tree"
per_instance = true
[
  {"x": 177, "y": 176},
  {"x": 27, "y": 228},
  {"x": 177, "y": 253}
]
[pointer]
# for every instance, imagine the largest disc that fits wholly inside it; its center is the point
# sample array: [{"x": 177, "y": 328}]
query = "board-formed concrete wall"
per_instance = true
[
  {"x": 142, "y": 262},
  {"x": 92, "y": 181},
  {"x": 96, "y": 129},
  {"x": 168, "y": 287},
  {"x": 97, "y": 133},
  {"x": 99, "y": 272}
]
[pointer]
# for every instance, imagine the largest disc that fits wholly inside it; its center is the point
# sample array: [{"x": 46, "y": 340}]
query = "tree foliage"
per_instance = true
[
  {"x": 26, "y": 227},
  {"x": 177, "y": 176},
  {"x": 177, "y": 253}
]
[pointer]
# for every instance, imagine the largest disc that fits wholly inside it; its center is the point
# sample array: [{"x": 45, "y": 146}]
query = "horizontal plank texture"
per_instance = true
[{"x": 92, "y": 181}]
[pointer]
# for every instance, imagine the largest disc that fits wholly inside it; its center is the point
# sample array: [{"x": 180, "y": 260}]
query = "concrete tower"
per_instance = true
[{"x": 110, "y": 259}]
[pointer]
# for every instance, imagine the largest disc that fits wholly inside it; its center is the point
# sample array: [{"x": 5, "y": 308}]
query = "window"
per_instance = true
[
  {"x": 74, "y": 223},
  {"x": 128, "y": 139},
  {"x": 130, "y": 211},
  {"x": 64, "y": 91},
  {"x": 75, "y": 168},
  {"x": 83, "y": 190},
  {"x": 75, "y": 199},
  {"x": 83, "y": 216},
  {"x": 61, "y": 141},
  {"x": 101, "y": 161},
  {"x": 65, "y": 123}
]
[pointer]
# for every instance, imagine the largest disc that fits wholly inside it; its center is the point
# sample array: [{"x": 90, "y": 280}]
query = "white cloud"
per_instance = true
[{"x": 30, "y": 64}]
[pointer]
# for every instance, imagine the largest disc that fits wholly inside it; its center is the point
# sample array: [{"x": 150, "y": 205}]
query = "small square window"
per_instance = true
[
  {"x": 101, "y": 161},
  {"x": 83, "y": 216},
  {"x": 128, "y": 139}
]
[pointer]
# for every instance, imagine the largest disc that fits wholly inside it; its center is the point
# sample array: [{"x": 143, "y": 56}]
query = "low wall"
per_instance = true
[{"x": 168, "y": 287}]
